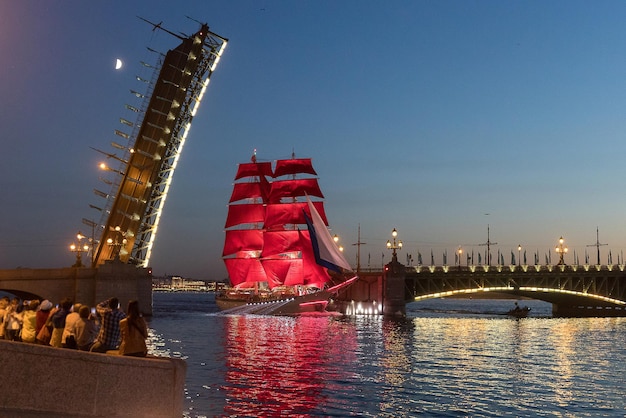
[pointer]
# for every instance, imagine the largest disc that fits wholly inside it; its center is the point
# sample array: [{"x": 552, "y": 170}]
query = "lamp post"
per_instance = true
[
  {"x": 79, "y": 250},
  {"x": 562, "y": 250},
  {"x": 395, "y": 245},
  {"x": 460, "y": 253},
  {"x": 336, "y": 239},
  {"x": 117, "y": 244},
  {"x": 519, "y": 254}
]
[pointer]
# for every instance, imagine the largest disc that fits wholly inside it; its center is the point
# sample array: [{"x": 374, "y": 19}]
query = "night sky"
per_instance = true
[{"x": 437, "y": 118}]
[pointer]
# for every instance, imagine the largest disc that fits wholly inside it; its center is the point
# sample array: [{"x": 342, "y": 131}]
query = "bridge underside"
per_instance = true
[{"x": 571, "y": 292}]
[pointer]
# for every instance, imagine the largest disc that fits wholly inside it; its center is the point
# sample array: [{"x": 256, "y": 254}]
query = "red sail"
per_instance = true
[
  {"x": 280, "y": 242},
  {"x": 243, "y": 240},
  {"x": 294, "y": 166},
  {"x": 251, "y": 190},
  {"x": 245, "y": 214},
  {"x": 294, "y": 188},
  {"x": 242, "y": 270},
  {"x": 279, "y": 214},
  {"x": 254, "y": 169},
  {"x": 283, "y": 271}
]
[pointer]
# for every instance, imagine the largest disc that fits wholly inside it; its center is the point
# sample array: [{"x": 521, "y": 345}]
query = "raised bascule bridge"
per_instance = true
[
  {"x": 153, "y": 134},
  {"x": 154, "y": 141}
]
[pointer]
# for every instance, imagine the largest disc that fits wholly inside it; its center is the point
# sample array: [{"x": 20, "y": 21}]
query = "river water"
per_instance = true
[{"x": 448, "y": 358}]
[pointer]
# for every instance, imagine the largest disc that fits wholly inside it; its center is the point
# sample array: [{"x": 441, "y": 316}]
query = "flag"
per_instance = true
[{"x": 327, "y": 254}]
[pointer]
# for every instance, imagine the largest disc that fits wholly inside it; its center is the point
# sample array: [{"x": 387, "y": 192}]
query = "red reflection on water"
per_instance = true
[{"x": 283, "y": 366}]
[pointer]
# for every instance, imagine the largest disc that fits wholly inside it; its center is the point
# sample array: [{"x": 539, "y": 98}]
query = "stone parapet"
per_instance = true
[{"x": 45, "y": 381}]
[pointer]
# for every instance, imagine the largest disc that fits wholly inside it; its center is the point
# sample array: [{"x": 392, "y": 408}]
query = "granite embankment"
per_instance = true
[{"x": 44, "y": 381}]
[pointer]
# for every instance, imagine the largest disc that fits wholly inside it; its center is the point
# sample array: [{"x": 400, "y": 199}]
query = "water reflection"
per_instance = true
[
  {"x": 284, "y": 366},
  {"x": 431, "y": 364}
]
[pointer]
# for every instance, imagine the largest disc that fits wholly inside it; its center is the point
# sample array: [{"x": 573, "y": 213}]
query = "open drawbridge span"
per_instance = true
[{"x": 132, "y": 209}]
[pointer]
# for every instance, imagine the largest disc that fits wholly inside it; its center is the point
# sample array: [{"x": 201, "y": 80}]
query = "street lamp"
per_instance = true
[
  {"x": 336, "y": 239},
  {"x": 396, "y": 245},
  {"x": 562, "y": 250},
  {"x": 79, "y": 250},
  {"x": 460, "y": 252},
  {"x": 519, "y": 254},
  {"x": 116, "y": 244}
]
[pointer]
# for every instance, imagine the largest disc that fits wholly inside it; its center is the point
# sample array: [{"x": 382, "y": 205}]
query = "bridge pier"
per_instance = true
[{"x": 394, "y": 278}]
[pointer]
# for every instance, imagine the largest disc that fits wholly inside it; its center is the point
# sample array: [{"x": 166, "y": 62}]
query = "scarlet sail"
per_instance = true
[{"x": 267, "y": 241}]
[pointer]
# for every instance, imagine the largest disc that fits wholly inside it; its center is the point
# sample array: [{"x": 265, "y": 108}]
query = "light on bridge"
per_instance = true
[
  {"x": 117, "y": 244},
  {"x": 336, "y": 239},
  {"x": 562, "y": 250},
  {"x": 79, "y": 250},
  {"x": 395, "y": 245}
]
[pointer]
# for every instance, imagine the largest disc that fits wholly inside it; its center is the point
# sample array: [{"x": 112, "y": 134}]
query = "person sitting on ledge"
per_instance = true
[
  {"x": 110, "y": 317},
  {"x": 85, "y": 329},
  {"x": 134, "y": 332}
]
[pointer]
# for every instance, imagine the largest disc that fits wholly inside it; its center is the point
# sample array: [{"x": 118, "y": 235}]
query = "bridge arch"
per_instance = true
[
  {"x": 22, "y": 294},
  {"x": 572, "y": 292}
]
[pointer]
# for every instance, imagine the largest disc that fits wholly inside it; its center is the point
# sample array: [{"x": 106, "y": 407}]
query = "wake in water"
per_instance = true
[{"x": 256, "y": 308}]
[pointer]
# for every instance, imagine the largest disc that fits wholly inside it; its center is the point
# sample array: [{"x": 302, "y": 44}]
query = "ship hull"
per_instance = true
[{"x": 294, "y": 305}]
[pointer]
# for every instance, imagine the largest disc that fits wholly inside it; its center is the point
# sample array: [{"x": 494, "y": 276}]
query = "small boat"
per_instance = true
[
  {"x": 518, "y": 312},
  {"x": 279, "y": 254}
]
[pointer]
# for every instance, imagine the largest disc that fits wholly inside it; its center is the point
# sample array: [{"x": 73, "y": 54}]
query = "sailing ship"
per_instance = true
[{"x": 279, "y": 254}]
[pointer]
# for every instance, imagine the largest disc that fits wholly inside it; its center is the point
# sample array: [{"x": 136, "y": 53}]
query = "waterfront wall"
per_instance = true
[
  {"x": 84, "y": 285},
  {"x": 45, "y": 381}
]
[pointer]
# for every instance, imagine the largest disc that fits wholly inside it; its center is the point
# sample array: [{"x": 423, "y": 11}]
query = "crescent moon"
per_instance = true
[{"x": 118, "y": 64}]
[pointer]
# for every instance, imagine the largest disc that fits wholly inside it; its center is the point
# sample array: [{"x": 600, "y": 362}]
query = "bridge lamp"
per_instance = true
[
  {"x": 519, "y": 254},
  {"x": 460, "y": 253},
  {"x": 105, "y": 167},
  {"x": 79, "y": 250},
  {"x": 117, "y": 244},
  {"x": 336, "y": 239},
  {"x": 562, "y": 250},
  {"x": 395, "y": 245}
]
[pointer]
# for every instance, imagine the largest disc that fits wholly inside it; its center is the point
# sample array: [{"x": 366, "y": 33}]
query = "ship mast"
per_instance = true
[{"x": 358, "y": 244}]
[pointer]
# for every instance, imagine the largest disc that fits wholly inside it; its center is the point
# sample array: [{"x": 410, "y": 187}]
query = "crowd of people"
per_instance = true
[{"x": 75, "y": 326}]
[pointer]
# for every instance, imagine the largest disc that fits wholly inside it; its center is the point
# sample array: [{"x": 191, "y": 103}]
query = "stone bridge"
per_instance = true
[
  {"x": 586, "y": 290},
  {"x": 83, "y": 285}
]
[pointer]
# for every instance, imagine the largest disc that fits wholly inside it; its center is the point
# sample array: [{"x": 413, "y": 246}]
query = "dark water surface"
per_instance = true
[{"x": 449, "y": 358}]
